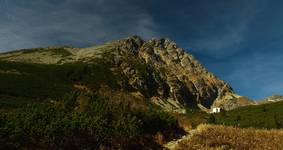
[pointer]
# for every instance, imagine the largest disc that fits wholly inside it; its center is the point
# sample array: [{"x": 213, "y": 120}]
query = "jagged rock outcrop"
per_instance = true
[
  {"x": 270, "y": 99},
  {"x": 163, "y": 72},
  {"x": 274, "y": 98}
]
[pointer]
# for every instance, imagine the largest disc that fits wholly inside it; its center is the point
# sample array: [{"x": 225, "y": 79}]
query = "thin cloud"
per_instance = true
[
  {"x": 225, "y": 33},
  {"x": 45, "y": 23}
]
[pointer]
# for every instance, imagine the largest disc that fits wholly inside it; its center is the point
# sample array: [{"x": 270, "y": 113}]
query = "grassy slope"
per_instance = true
[
  {"x": 249, "y": 129},
  {"x": 24, "y": 82},
  {"x": 32, "y": 82},
  {"x": 260, "y": 116}
]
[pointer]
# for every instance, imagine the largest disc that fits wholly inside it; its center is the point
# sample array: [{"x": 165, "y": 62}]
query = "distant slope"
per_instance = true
[
  {"x": 50, "y": 55},
  {"x": 271, "y": 99}
]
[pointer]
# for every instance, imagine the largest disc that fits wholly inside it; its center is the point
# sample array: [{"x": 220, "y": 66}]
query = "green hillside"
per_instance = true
[
  {"x": 23, "y": 83},
  {"x": 125, "y": 94},
  {"x": 40, "y": 105},
  {"x": 259, "y": 116}
]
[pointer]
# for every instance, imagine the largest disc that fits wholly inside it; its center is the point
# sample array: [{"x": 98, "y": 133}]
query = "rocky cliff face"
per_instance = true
[{"x": 163, "y": 72}]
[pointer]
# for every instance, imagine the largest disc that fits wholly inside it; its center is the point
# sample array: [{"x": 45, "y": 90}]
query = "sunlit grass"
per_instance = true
[{"x": 226, "y": 137}]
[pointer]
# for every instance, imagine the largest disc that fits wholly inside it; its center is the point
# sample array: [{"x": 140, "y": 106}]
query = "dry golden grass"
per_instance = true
[{"x": 212, "y": 137}]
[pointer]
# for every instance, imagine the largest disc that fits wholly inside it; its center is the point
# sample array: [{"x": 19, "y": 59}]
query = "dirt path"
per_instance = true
[{"x": 172, "y": 145}]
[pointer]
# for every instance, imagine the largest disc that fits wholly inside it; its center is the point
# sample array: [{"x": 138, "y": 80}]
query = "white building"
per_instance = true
[{"x": 216, "y": 110}]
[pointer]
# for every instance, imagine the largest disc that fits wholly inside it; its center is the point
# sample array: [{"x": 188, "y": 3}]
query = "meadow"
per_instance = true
[
  {"x": 216, "y": 137},
  {"x": 266, "y": 116}
]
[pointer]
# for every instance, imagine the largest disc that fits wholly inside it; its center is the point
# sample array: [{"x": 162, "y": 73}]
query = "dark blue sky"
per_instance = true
[{"x": 241, "y": 41}]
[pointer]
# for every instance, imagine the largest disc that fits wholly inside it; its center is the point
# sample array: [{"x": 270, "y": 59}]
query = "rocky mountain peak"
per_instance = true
[
  {"x": 158, "y": 68},
  {"x": 180, "y": 80},
  {"x": 132, "y": 43}
]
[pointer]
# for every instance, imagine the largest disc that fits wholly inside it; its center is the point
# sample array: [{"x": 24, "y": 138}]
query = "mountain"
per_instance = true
[
  {"x": 155, "y": 70},
  {"x": 274, "y": 98},
  {"x": 271, "y": 99}
]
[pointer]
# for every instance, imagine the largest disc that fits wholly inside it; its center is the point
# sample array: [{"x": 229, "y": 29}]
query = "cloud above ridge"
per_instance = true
[{"x": 30, "y": 23}]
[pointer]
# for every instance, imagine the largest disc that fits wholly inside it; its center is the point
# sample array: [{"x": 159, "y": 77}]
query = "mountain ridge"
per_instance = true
[{"x": 158, "y": 69}]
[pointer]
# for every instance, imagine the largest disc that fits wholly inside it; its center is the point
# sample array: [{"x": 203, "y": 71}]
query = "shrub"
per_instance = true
[
  {"x": 49, "y": 126},
  {"x": 156, "y": 120},
  {"x": 211, "y": 119},
  {"x": 39, "y": 124}
]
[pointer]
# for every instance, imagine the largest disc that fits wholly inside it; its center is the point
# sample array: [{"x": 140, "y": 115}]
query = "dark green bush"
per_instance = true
[
  {"x": 211, "y": 119},
  {"x": 38, "y": 124},
  {"x": 156, "y": 120},
  {"x": 49, "y": 126}
]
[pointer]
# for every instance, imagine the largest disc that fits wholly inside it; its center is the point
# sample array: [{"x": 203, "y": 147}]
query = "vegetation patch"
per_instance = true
[
  {"x": 42, "y": 81},
  {"x": 60, "y": 51},
  {"x": 213, "y": 137},
  {"x": 30, "y": 51},
  {"x": 59, "y": 126},
  {"x": 260, "y": 116}
]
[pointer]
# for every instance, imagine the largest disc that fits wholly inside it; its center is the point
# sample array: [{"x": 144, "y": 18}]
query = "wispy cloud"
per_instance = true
[
  {"x": 224, "y": 34},
  {"x": 42, "y": 23}
]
